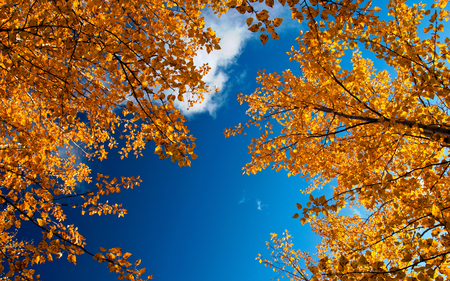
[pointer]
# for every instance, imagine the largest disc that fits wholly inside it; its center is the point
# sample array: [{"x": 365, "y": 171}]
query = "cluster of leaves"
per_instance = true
[
  {"x": 75, "y": 76},
  {"x": 264, "y": 24},
  {"x": 382, "y": 135}
]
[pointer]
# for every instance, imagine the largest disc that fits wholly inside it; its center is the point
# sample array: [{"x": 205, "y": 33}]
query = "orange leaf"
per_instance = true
[
  {"x": 277, "y": 22},
  {"x": 72, "y": 258},
  {"x": 264, "y": 38}
]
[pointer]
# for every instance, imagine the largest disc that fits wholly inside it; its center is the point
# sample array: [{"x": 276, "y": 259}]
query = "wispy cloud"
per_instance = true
[
  {"x": 243, "y": 199},
  {"x": 232, "y": 30},
  {"x": 260, "y": 205},
  {"x": 356, "y": 212},
  {"x": 359, "y": 211}
]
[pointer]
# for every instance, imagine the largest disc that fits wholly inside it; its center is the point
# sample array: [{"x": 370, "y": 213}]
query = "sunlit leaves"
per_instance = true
[
  {"x": 99, "y": 257},
  {"x": 72, "y": 258},
  {"x": 263, "y": 15},
  {"x": 263, "y": 24},
  {"x": 380, "y": 138},
  {"x": 76, "y": 79}
]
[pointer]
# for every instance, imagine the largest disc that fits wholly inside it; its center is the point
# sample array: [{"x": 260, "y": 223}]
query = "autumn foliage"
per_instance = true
[
  {"x": 75, "y": 77},
  {"x": 379, "y": 136}
]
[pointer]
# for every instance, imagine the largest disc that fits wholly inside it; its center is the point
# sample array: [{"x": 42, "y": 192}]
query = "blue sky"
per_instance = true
[{"x": 208, "y": 221}]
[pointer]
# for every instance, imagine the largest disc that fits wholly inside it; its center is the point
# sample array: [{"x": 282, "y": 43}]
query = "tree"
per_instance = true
[
  {"x": 381, "y": 135},
  {"x": 75, "y": 77}
]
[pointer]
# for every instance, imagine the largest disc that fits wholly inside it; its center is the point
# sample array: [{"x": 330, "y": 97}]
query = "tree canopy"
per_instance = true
[
  {"x": 379, "y": 136},
  {"x": 81, "y": 78},
  {"x": 75, "y": 78}
]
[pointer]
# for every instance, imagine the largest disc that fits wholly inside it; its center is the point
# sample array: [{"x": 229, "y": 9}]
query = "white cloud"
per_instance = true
[
  {"x": 357, "y": 212},
  {"x": 243, "y": 199},
  {"x": 234, "y": 34},
  {"x": 232, "y": 30},
  {"x": 260, "y": 205}
]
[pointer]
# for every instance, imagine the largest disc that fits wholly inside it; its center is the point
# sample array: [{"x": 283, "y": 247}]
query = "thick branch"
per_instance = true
[{"x": 427, "y": 130}]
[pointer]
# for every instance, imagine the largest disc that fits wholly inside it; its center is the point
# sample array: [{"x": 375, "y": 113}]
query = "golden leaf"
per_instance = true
[
  {"x": 277, "y": 22},
  {"x": 269, "y": 3},
  {"x": 263, "y": 38},
  {"x": 99, "y": 257},
  {"x": 254, "y": 28},
  {"x": 435, "y": 211},
  {"x": 72, "y": 258},
  {"x": 263, "y": 15},
  {"x": 274, "y": 35}
]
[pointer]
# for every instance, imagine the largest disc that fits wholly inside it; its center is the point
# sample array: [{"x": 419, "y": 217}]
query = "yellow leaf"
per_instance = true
[
  {"x": 435, "y": 210},
  {"x": 126, "y": 255},
  {"x": 264, "y": 38},
  {"x": 277, "y": 22},
  {"x": 249, "y": 21},
  {"x": 295, "y": 216},
  {"x": 269, "y": 3},
  {"x": 254, "y": 28},
  {"x": 263, "y": 15},
  {"x": 72, "y": 258},
  {"x": 158, "y": 150},
  {"x": 99, "y": 257}
]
